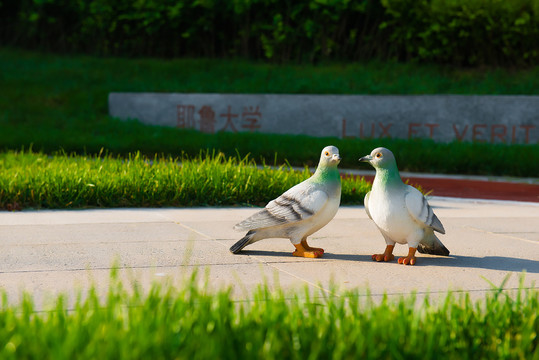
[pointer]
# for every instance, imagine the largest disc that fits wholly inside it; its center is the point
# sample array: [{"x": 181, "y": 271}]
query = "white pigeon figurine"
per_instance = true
[
  {"x": 300, "y": 211},
  {"x": 400, "y": 211}
]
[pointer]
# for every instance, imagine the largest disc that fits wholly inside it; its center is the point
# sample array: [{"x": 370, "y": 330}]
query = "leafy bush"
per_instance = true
[
  {"x": 281, "y": 30},
  {"x": 462, "y": 32},
  {"x": 465, "y": 32}
]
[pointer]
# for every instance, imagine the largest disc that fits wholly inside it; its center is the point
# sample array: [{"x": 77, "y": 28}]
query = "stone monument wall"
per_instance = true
[{"x": 443, "y": 118}]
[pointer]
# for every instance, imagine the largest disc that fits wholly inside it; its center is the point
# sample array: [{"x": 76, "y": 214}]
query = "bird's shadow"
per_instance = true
[
  {"x": 326, "y": 256},
  {"x": 503, "y": 263}
]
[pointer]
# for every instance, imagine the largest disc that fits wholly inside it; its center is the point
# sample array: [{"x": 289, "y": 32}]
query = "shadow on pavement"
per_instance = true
[
  {"x": 486, "y": 262},
  {"x": 327, "y": 256},
  {"x": 503, "y": 263}
]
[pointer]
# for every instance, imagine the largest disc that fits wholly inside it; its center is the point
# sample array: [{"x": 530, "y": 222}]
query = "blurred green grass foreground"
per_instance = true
[{"x": 190, "y": 321}]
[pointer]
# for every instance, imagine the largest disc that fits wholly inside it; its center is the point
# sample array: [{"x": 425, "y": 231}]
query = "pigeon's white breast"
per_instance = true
[
  {"x": 326, "y": 214},
  {"x": 389, "y": 212}
]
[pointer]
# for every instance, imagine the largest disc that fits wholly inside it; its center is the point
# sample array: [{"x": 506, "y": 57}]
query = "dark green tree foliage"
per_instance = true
[
  {"x": 464, "y": 32},
  {"x": 280, "y": 30},
  {"x": 460, "y": 32}
]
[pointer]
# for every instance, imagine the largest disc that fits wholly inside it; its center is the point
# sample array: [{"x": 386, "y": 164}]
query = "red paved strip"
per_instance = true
[{"x": 475, "y": 189}]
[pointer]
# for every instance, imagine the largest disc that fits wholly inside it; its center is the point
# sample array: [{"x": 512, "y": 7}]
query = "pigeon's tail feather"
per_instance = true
[
  {"x": 432, "y": 245},
  {"x": 243, "y": 242}
]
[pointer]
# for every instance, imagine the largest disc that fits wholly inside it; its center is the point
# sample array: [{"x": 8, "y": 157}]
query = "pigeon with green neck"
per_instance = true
[
  {"x": 400, "y": 211},
  {"x": 300, "y": 211}
]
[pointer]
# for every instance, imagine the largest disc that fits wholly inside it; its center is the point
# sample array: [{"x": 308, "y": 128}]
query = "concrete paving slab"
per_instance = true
[
  {"x": 86, "y": 233},
  {"x": 45, "y": 286},
  {"x": 48, "y": 258},
  {"x": 51, "y": 252},
  {"x": 90, "y": 216}
]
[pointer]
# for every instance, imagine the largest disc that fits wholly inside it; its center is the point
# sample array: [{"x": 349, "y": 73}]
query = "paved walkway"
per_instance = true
[{"x": 47, "y": 252}]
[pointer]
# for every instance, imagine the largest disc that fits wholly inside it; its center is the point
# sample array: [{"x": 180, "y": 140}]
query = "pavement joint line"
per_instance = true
[
  {"x": 256, "y": 258},
  {"x": 273, "y": 265},
  {"x": 194, "y": 230},
  {"x": 189, "y": 228},
  {"x": 315, "y": 297},
  {"x": 150, "y": 267},
  {"x": 299, "y": 278},
  {"x": 121, "y": 268},
  {"x": 393, "y": 294},
  {"x": 86, "y": 223},
  {"x": 202, "y": 234},
  {"x": 102, "y": 243},
  {"x": 502, "y": 235}
]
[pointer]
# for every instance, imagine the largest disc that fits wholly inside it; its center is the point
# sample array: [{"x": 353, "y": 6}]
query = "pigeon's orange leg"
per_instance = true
[
  {"x": 306, "y": 246},
  {"x": 386, "y": 256},
  {"x": 410, "y": 259},
  {"x": 304, "y": 250}
]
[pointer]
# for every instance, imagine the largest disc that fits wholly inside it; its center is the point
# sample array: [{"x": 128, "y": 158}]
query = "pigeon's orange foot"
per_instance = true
[
  {"x": 410, "y": 259},
  {"x": 386, "y": 256},
  {"x": 383, "y": 257},
  {"x": 308, "y": 248},
  {"x": 308, "y": 254},
  {"x": 304, "y": 250}
]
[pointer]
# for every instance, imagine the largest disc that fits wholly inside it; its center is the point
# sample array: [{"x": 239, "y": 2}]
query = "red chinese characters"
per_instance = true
[
  {"x": 251, "y": 118},
  {"x": 229, "y": 116},
  {"x": 208, "y": 120},
  {"x": 185, "y": 118}
]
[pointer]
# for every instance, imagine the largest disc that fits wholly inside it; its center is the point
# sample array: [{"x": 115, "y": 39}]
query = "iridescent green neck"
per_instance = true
[
  {"x": 388, "y": 177},
  {"x": 326, "y": 173}
]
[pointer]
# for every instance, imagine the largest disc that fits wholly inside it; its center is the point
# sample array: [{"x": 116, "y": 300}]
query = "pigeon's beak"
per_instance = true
[
  {"x": 366, "y": 158},
  {"x": 336, "y": 158}
]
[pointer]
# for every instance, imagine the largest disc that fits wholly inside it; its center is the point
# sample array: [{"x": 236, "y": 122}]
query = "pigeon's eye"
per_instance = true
[
  {"x": 326, "y": 153},
  {"x": 378, "y": 155}
]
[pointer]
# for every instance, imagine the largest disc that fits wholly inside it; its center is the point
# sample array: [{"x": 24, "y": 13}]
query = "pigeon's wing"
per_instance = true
[
  {"x": 366, "y": 202},
  {"x": 420, "y": 210},
  {"x": 298, "y": 203}
]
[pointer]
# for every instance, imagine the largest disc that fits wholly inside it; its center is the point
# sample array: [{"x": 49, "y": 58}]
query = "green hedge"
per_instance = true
[
  {"x": 465, "y": 32},
  {"x": 461, "y": 32},
  {"x": 275, "y": 29}
]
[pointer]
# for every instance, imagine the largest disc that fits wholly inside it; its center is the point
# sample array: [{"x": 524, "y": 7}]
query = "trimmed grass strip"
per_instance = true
[{"x": 36, "y": 180}]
